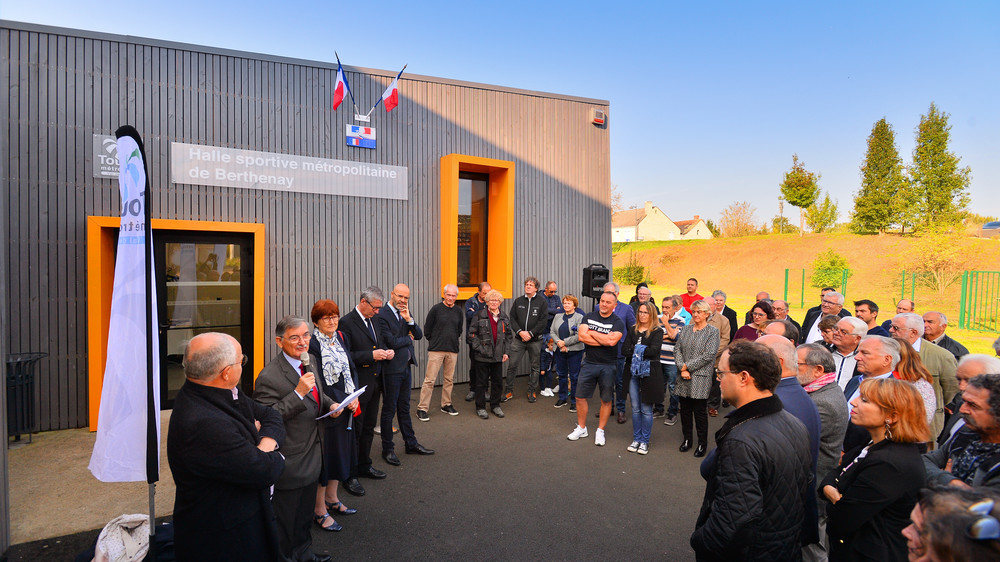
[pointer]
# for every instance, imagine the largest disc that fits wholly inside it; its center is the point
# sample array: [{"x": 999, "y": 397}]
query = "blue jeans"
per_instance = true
[
  {"x": 619, "y": 391},
  {"x": 568, "y": 363},
  {"x": 642, "y": 414},
  {"x": 670, "y": 382},
  {"x": 545, "y": 365}
]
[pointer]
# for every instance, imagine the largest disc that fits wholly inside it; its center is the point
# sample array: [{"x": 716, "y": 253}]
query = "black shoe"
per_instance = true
[
  {"x": 422, "y": 416},
  {"x": 621, "y": 416},
  {"x": 391, "y": 458},
  {"x": 335, "y": 507},
  {"x": 700, "y": 450},
  {"x": 532, "y": 397},
  {"x": 354, "y": 487},
  {"x": 321, "y": 558},
  {"x": 372, "y": 472},
  {"x": 319, "y": 519},
  {"x": 572, "y": 406},
  {"x": 560, "y": 403},
  {"x": 418, "y": 449},
  {"x": 507, "y": 396},
  {"x": 685, "y": 446},
  {"x": 450, "y": 410}
]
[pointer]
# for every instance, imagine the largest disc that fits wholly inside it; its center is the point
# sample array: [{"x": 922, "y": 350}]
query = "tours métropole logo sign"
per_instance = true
[{"x": 105, "y": 156}]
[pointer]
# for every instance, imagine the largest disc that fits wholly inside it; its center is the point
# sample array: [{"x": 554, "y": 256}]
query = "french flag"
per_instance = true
[
  {"x": 390, "y": 97},
  {"x": 340, "y": 87}
]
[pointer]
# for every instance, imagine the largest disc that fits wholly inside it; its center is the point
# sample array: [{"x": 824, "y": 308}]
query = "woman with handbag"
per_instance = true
[{"x": 644, "y": 374}]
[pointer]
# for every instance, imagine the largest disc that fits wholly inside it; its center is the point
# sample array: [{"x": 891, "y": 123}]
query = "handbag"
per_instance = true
[{"x": 640, "y": 365}]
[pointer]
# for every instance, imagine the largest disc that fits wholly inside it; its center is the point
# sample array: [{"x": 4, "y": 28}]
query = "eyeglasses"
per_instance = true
[
  {"x": 373, "y": 307},
  {"x": 330, "y": 318},
  {"x": 242, "y": 363},
  {"x": 719, "y": 373},
  {"x": 895, "y": 328},
  {"x": 843, "y": 332},
  {"x": 296, "y": 339},
  {"x": 758, "y": 314},
  {"x": 831, "y": 303},
  {"x": 986, "y": 527}
]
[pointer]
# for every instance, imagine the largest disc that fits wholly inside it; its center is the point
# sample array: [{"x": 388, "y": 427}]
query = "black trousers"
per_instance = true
[
  {"x": 294, "y": 511},
  {"x": 488, "y": 374},
  {"x": 699, "y": 409},
  {"x": 364, "y": 425},
  {"x": 715, "y": 395}
]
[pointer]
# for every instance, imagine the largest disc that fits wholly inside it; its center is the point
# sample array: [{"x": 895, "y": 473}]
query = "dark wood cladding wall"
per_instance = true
[{"x": 65, "y": 86}]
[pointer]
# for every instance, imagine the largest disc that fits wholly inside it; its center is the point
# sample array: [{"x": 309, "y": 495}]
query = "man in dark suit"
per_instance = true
[
  {"x": 368, "y": 352},
  {"x": 935, "y": 323},
  {"x": 289, "y": 385},
  {"x": 730, "y": 314},
  {"x": 398, "y": 330},
  {"x": 221, "y": 449},
  {"x": 832, "y": 303}
]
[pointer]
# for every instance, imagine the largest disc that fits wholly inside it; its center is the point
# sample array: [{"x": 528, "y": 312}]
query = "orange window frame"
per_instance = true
[
  {"x": 101, "y": 280},
  {"x": 500, "y": 229}
]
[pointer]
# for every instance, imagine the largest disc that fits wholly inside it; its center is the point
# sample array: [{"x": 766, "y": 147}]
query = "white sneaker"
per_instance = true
[
  {"x": 578, "y": 432},
  {"x": 643, "y": 449},
  {"x": 599, "y": 438},
  {"x": 547, "y": 392},
  {"x": 555, "y": 389},
  {"x": 633, "y": 447}
]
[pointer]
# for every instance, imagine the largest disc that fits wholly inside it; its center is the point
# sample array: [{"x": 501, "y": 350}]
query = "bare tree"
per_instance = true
[
  {"x": 738, "y": 220},
  {"x": 616, "y": 199}
]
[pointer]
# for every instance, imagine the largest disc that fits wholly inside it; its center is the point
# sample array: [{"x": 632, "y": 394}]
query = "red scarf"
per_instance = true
[{"x": 820, "y": 382}]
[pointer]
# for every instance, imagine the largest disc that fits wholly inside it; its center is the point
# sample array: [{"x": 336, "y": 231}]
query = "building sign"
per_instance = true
[
  {"x": 363, "y": 137},
  {"x": 105, "y": 156},
  {"x": 231, "y": 167}
]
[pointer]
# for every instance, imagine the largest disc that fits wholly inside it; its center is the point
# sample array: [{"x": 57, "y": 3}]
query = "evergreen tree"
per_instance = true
[
  {"x": 822, "y": 216},
  {"x": 936, "y": 178},
  {"x": 882, "y": 197},
  {"x": 800, "y": 188}
]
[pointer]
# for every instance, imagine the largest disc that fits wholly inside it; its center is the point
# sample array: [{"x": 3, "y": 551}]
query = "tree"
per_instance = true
[
  {"x": 822, "y": 216},
  {"x": 800, "y": 188},
  {"x": 828, "y": 270},
  {"x": 781, "y": 225},
  {"x": 938, "y": 181},
  {"x": 712, "y": 228},
  {"x": 941, "y": 258},
  {"x": 878, "y": 203},
  {"x": 738, "y": 220},
  {"x": 616, "y": 199}
]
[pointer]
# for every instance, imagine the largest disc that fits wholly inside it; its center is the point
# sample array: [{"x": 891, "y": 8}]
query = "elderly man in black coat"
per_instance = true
[{"x": 221, "y": 449}]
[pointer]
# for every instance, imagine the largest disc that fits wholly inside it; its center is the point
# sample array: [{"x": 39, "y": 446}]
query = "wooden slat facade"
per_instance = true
[{"x": 66, "y": 85}]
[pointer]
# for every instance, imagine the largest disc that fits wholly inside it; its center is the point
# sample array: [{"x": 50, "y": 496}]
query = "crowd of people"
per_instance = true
[{"x": 847, "y": 439}]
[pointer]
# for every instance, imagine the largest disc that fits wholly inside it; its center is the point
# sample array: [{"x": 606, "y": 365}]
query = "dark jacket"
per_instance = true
[
  {"x": 362, "y": 343},
  {"x": 398, "y": 335},
  {"x": 987, "y": 475},
  {"x": 472, "y": 306},
  {"x": 757, "y": 486},
  {"x": 651, "y": 387},
  {"x": 484, "y": 349},
  {"x": 730, "y": 315},
  {"x": 878, "y": 493},
  {"x": 531, "y": 315},
  {"x": 815, "y": 314},
  {"x": 222, "y": 507},
  {"x": 955, "y": 348},
  {"x": 443, "y": 328}
]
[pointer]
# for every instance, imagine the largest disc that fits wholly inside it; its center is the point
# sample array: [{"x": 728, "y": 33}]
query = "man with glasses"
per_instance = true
[
  {"x": 939, "y": 362},
  {"x": 971, "y": 458},
  {"x": 368, "y": 351},
  {"x": 216, "y": 435},
  {"x": 832, "y": 303},
  {"x": 846, "y": 338},
  {"x": 758, "y": 479},
  {"x": 289, "y": 385},
  {"x": 780, "y": 309}
]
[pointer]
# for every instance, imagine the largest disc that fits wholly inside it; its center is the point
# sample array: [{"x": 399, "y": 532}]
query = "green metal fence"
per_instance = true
[
  {"x": 844, "y": 276},
  {"x": 980, "y": 305}
]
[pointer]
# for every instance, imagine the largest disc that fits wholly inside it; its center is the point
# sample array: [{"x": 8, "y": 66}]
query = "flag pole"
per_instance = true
[{"x": 380, "y": 97}]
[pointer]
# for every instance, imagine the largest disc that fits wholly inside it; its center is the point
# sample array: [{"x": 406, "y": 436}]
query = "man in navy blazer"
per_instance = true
[
  {"x": 367, "y": 349},
  {"x": 398, "y": 330}
]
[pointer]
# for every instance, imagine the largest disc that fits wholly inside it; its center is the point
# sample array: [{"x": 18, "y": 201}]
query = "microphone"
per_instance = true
[{"x": 305, "y": 361}]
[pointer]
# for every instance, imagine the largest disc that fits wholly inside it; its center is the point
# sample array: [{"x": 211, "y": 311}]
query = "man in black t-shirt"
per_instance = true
[{"x": 600, "y": 331}]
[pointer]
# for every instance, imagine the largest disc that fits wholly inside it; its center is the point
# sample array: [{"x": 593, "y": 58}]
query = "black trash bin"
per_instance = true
[{"x": 22, "y": 411}]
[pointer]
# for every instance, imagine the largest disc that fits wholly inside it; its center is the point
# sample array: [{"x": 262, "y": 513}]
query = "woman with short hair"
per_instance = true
[
  {"x": 694, "y": 354},
  {"x": 875, "y": 487},
  {"x": 491, "y": 336},
  {"x": 568, "y": 350}
]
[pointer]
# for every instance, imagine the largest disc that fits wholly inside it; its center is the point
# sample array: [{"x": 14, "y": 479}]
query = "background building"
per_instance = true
[
  {"x": 650, "y": 223},
  {"x": 467, "y": 182}
]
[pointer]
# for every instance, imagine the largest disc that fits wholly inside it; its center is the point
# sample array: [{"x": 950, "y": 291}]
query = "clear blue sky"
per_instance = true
[{"x": 708, "y": 100}]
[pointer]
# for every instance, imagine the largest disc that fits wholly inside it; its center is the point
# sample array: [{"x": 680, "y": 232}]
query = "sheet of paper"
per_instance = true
[{"x": 348, "y": 400}]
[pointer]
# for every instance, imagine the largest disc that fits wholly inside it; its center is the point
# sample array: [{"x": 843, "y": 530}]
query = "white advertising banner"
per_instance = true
[
  {"x": 231, "y": 167},
  {"x": 120, "y": 451}
]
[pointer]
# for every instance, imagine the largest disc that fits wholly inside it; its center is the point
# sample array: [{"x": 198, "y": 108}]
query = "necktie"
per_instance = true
[
  {"x": 371, "y": 329},
  {"x": 314, "y": 392}
]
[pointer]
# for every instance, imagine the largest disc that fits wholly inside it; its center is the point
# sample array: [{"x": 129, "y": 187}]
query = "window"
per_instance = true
[
  {"x": 477, "y": 223},
  {"x": 473, "y": 221}
]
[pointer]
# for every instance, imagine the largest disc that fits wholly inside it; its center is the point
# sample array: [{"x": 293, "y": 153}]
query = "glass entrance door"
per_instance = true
[{"x": 204, "y": 284}]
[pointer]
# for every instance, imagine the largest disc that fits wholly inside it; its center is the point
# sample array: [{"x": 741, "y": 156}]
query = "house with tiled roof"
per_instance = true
[{"x": 651, "y": 223}]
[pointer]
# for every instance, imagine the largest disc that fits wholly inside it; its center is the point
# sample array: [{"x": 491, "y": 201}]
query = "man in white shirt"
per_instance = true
[{"x": 846, "y": 337}]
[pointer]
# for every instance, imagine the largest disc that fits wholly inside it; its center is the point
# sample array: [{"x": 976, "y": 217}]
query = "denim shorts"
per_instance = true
[{"x": 596, "y": 375}]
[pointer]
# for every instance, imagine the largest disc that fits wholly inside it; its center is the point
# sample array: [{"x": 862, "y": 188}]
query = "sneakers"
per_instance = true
[
  {"x": 560, "y": 403},
  {"x": 658, "y": 414},
  {"x": 422, "y": 415},
  {"x": 482, "y": 413},
  {"x": 599, "y": 438},
  {"x": 470, "y": 396},
  {"x": 532, "y": 397},
  {"x": 507, "y": 396},
  {"x": 633, "y": 447},
  {"x": 547, "y": 392},
  {"x": 498, "y": 412},
  {"x": 449, "y": 409},
  {"x": 643, "y": 449},
  {"x": 572, "y": 406},
  {"x": 555, "y": 389},
  {"x": 577, "y": 433},
  {"x": 671, "y": 420}
]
